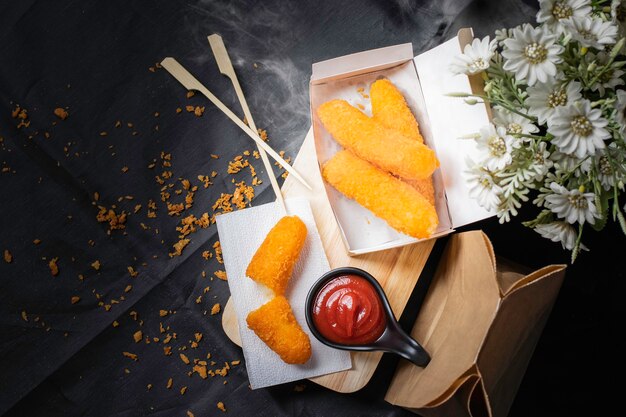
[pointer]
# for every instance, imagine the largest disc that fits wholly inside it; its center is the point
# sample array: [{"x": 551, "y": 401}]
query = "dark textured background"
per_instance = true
[{"x": 93, "y": 58}]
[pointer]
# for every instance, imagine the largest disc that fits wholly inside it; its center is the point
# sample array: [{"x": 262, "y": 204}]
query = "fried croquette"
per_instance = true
[
  {"x": 394, "y": 201},
  {"x": 275, "y": 324}
]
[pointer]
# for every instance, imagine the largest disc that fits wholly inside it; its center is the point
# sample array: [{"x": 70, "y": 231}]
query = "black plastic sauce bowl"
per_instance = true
[{"x": 393, "y": 339}]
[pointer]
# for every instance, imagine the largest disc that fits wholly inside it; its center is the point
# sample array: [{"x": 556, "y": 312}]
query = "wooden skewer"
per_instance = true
[
  {"x": 226, "y": 68},
  {"x": 191, "y": 83}
]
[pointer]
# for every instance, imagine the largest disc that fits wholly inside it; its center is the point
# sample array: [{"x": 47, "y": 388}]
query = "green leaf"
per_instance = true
[
  {"x": 622, "y": 221},
  {"x": 602, "y": 203}
]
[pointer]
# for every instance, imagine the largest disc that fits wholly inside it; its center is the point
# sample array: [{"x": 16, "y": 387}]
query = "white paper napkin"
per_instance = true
[{"x": 241, "y": 233}]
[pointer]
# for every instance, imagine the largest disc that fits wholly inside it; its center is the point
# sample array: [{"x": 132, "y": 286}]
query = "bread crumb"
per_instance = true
[
  {"x": 61, "y": 113},
  {"x": 132, "y": 271},
  {"x": 115, "y": 323},
  {"x": 215, "y": 309},
  {"x": 24, "y": 315},
  {"x": 200, "y": 370},
  {"x": 170, "y": 382},
  {"x": 220, "y": 405},
  {"x": 178, "y": 247},
  {"x": 221, "y": 275},
  {"x": 183, "y": 390},
  {"x": 96, "y": 265},
  {"x": 8, "y": 257},
  {"x": 137, "y": 336},
  {"x": 163, "y": 313},
  {"x": 130, "y": 355},
  {"x": 190, "y": 414},
  {"x": 75, "y": 299},
  {"x": 54, "y": 268}
]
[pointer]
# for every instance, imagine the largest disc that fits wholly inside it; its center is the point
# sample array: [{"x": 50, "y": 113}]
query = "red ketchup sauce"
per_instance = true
[{"x": 348, "y": 311}]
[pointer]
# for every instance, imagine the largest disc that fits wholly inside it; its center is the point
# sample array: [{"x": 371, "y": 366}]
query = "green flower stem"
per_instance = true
[{"x": 504, "y": 104}]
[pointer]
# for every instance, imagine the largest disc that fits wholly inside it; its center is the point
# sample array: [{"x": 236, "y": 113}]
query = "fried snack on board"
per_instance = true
[
  {"x": 390, "y": 108},
  {"x": 274, "y": 260},
  {"x": 370, "y": 140},
  {"x": 394, "y": 201},
  {"x": 275, "y": 324}
]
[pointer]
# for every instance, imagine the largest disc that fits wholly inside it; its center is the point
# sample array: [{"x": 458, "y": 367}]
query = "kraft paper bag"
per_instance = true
[{"x": 480, "y": 322}]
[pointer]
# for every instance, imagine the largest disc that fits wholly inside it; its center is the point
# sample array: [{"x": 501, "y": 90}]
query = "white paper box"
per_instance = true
[{"x": 423, "y": 80}]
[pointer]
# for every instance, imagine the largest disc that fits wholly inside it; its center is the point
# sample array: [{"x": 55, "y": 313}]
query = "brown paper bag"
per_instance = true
[{"x": 480, "y": 325}]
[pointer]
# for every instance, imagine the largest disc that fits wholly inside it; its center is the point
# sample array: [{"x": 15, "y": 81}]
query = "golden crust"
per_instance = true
[
  {"x": 275, "y": 324},
  {"x": 394, "y": 201},
  {"x": 273, "y": 262},
  {"x": 370, "y": 140},
  {"x": 390, "y": 109}
]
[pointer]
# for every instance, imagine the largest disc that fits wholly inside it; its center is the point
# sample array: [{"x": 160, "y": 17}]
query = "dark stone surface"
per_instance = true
[{"x": 93, "y": 58}]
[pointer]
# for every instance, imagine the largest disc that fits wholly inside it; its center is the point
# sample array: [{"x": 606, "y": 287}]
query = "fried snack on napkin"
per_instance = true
[
  {"x": 276, "y": 325},
  {"x": 390, "y": 109},
  {"x": 273, "y": 261},
  {"x": 394, "y": 201},
  {"x": 370, "y": 140}
]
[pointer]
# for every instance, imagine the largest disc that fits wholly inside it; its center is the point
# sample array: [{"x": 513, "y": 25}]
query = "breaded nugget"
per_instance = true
[
  {"x": 394, "y": 201},
  {"x": 276, "y": 325},
  {"x": 390, "y": 109},
  {"x": 273, "y": 261},
  {"x": 386, "y": 148}
]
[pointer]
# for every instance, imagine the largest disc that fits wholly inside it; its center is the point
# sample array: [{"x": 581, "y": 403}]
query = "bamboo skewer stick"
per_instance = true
[
  {"x": 191, "y": 83},
  {"x": 226, "y": 68}
]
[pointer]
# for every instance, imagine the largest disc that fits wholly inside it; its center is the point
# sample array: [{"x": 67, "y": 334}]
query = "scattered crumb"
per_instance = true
[
  {"x": 8, "y": 257},
  {"x": 61, "y": 113},
  {"x": 221, "y": 275},
  {"x": 220, "y": 405},
  {"x": 183, "y": 390},
  {"x": 75, "y": 299},
  {"x": 54, "y": 268},
  {"x": 24, "y": 315},
  {"x": 96, "y": 265},
  {"x": 115, "y": 323},
  {"x": 184, "y": 358},
  {"x": 163, "y": 313},
  {"x": 137, "y": 336},
  {"x": 170, "y": 382},
  {"x": 178, "y": 247},
  {"x": 215, "y": 309},
  {"x": 130, "y": 355},
  {"x": 190, "y": 414}
]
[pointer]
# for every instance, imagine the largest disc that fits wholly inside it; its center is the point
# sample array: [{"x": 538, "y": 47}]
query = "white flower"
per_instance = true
[
  {"x": 482, "y": 186},
  {"x": 513, "y": 122},
  {"x": 559, "y": 232},
  {"x": 541, "y": 162},
  {"x": 608, "y": 167},
  {"x": 592, "y": 32},
  {"x": 475, "y": 57},
  {"x": 610, "y": 78},
  {"x": 578, "y": 129},
  {"x": 572, "y": 205},
  {"x": 495, "y": 146},
  {"x": 552, "y": 13},
  {"x": 618, "y": 16},
  {"x": 544, "y": 98},
  {"x": 532, "y": 54},
  {"x": 620, "y": 108}
]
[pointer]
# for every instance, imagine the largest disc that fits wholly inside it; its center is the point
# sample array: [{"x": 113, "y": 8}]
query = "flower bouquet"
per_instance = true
[{"x": 558, "y": 132}]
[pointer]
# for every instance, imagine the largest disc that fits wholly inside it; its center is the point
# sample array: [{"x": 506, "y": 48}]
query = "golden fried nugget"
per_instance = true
[
  {"x": 386, "y": 148},
  {"x": 276, "y": 325},
  {"x": 390, "y": 109},
  {"x": 394, "y": 201},
  {"x": 273, "y": 262}
]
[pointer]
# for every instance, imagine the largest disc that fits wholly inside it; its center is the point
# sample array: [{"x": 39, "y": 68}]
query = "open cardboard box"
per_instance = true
[{"x": 423, "y": 80}]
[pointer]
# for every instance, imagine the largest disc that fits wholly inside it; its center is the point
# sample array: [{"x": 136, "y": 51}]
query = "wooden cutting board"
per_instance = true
[{"x": 397, "y": 270}]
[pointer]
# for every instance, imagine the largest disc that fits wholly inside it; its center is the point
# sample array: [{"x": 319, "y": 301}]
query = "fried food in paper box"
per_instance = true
[
  {"x": 272, "y": 264},
  {"x": 275, "y": 324},
  {"x": 390, "y": 108},
  {"x": 394, "y": 201},
  {"x": 367, "y": 138}
]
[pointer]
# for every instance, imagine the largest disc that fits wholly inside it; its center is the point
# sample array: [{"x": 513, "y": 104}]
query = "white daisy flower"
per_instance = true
[
  {"x": 532, "y": 54},
  {"x": 592, "y": 32},
  {"x": 513, "y": 122},
  {"x": 541, "y": 162},
  {"x": 607, "y": 172},
  {"x": 618, "y": 16},
  {"x": 482, "y": 186},
  {"x": 544, "y": 98},
  {"x": 495, "y": 146},
  {"x": 559, "y": 232},
  {"x": 475, "y": 57},
  {"x": 572, "y": 205},
  {"x": 552, "y": 13},
  {"x": 578, "y": 129},
  {"x": 620, "y": 108},
  {"x": 610, "y": 78}
]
